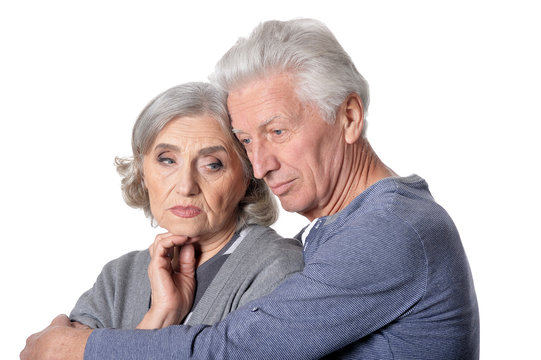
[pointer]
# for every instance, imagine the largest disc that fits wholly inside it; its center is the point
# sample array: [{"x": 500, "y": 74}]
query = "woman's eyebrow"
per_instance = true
[
  {"x": 212, "y": 149},
  {"x": 203, "y": 151},
  {"x": 164, "y": 146}
]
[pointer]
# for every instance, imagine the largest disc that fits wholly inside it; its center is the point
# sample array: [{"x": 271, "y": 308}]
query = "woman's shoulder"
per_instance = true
[
  {"x": 269, "y": 258},
  {"x": 263, "y": 247},
  {"x": 138, "y": 259},
  {"x": 267, "y": 239}
]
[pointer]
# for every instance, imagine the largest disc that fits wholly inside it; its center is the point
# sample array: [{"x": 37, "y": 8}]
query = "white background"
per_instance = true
[{"x": 455, "y": 92}]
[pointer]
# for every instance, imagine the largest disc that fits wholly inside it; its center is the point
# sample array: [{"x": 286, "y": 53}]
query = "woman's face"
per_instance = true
[{"x": 194, "y": 178}]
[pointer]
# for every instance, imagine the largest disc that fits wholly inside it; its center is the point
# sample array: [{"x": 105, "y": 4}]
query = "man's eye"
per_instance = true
[
  {"x": 245, "y": 141},
  {"x": 278, "y": 132}
]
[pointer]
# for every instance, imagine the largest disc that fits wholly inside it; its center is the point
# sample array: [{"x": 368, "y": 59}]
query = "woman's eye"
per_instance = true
[
  {"x": 217, "y": 165},
  {"x": 166, "y": 160}
]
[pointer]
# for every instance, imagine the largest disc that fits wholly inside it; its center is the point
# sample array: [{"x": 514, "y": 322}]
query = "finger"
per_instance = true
[
  {"x": 187, "y": 261},
  {"x": 163, "y": 252},
  {"x": 79, "y": 325},
  {"x": 156, "y": 242},
  {"x": 175, "y": 261},
  {"x": 61, "y": 320},
  {"x": 165, "y": 245},
  {"x": 31, "y": 338}
]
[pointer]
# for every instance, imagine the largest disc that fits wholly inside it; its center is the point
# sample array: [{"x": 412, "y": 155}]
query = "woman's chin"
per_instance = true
[{"x": 193, "y": 234}]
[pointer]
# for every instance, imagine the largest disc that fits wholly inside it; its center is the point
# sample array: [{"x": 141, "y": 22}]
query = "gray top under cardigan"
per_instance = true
[{"x": 120, "y": 297}]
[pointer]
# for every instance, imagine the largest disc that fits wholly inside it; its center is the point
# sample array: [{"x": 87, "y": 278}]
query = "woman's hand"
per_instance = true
[{"x": 172, "y": 280}]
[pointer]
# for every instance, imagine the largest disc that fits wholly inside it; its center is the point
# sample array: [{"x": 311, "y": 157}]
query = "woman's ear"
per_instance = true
[{"x": 352, "y": 117}]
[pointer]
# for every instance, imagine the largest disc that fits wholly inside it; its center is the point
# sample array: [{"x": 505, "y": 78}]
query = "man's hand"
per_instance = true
[
  {"x": 60, "y": 340},
  {"x": 172, "y": 280}
]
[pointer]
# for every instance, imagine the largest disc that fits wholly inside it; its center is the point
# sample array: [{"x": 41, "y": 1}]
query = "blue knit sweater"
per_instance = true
[{"x": 385, "y": 278}]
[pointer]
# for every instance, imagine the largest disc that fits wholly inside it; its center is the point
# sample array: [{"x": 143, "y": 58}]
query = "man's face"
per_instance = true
[{"x": 291, "y": 147}]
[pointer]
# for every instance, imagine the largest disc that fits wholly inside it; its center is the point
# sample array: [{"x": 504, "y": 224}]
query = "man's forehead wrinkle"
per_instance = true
[
  {"x": 261, "y": 102},
  {"x": 269, "y": 120},
  {"x": 244, "y": 102},
  {"x": 262, "y": 107},
  {"x": 265, "y": 92}
]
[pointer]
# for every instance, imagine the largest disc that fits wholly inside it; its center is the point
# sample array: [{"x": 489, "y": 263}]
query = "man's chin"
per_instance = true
[{"x": 288, "y": 204}]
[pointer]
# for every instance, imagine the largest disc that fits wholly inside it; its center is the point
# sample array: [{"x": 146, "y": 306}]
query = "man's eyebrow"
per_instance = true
[
  {"x": 268, "y": 121},
  {"x": 262, "y": 125}
]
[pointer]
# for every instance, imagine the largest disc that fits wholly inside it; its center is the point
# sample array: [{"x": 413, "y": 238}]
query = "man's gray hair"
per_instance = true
[
  {"x": 258, "y": 205},
  {"x": 305, "y": 48}
]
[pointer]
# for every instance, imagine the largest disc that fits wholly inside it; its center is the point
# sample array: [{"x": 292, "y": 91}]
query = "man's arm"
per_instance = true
[
  {"x": 342, "y": 296},
  {"x": 60, "y": 340}
]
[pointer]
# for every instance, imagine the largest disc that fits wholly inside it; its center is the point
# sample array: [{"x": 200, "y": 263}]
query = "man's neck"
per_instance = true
[
  {"x": 367, "y": 169},
  {"x": 361, "y": 169}
]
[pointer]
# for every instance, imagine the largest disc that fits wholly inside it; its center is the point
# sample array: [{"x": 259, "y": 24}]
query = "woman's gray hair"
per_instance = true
[
  {"x": 258, "y": 206},
  {"x": 304, "y": 48}
]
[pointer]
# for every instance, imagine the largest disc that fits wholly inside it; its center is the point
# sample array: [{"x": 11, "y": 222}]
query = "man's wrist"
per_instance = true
[{"x": 75, "y": 344}]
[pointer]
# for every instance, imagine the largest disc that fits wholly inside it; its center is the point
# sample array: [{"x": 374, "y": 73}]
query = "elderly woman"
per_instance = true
[{"x": 192, "y": 177}]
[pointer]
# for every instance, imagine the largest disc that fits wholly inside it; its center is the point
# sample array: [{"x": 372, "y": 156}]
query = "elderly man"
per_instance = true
[{"x": 386, "y": 275}]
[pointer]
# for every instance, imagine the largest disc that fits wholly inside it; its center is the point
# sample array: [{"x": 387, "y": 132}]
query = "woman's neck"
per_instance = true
[{"x": 206, "y": 248}]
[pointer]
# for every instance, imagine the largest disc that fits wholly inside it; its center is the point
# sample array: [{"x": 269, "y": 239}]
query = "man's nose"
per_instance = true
[
  {"x": 263, "y": 160},
  {"x": 186, "y": 183}
]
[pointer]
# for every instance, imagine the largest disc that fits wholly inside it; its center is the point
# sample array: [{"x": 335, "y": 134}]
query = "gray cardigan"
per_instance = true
[{"x": 121, "y": 295}]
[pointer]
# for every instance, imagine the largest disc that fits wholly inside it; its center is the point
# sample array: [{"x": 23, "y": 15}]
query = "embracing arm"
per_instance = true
[
  {"x": 341, "y": 296},
  {"x": 60, "y": 340}
]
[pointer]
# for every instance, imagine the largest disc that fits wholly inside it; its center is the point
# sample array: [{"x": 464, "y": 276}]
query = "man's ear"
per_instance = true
[{"x": 352, "y": 117}]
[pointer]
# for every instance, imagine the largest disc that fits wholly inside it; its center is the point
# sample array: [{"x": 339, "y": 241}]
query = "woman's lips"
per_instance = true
[{"x": 185, "y": 211}]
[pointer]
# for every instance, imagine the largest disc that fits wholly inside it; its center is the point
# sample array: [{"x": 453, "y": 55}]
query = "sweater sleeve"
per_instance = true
[
  {"x": 94, "y": 306},
  {"x": 120, "y": 295},
  {"x": 353, "y": 285}
]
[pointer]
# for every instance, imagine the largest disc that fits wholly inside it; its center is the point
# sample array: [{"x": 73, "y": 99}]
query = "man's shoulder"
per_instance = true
[{"x": 389, "y": 204}]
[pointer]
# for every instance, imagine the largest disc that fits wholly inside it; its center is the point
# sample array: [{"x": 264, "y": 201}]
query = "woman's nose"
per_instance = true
[{"x": 187, "y": 184}]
